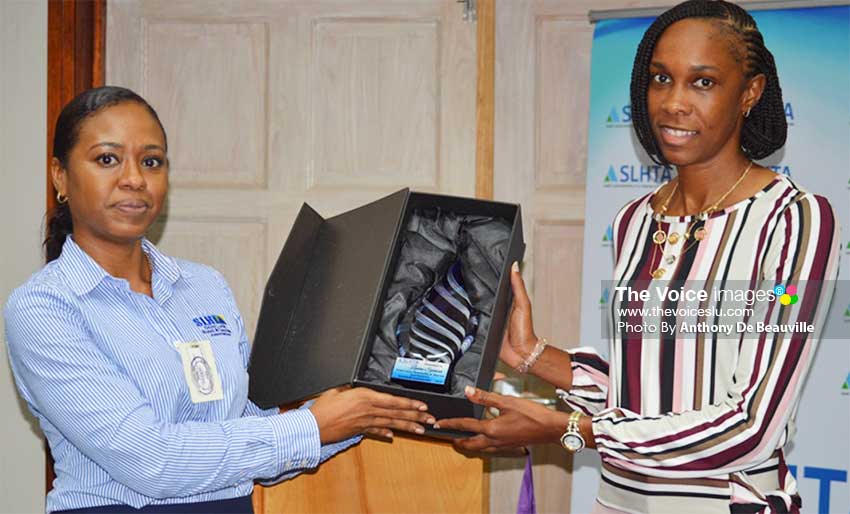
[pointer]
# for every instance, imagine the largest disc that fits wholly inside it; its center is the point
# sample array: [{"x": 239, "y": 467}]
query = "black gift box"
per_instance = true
[{"x": 325, "y": 298}]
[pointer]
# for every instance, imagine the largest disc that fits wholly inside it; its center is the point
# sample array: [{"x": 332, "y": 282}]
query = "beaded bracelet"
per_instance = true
[{"x": 533, "y": 356}]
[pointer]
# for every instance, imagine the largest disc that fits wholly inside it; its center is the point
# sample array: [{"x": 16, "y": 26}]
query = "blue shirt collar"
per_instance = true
[{"x": 84, "y": 273}]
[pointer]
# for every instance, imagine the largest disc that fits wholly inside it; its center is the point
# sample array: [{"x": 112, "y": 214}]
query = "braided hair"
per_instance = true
[
  {"x": 66, "y": 135},
  {"x": 765, "y": 129}
]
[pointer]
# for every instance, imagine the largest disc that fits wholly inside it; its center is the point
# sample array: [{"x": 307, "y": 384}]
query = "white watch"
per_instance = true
[{"x": 572, "y": 440}]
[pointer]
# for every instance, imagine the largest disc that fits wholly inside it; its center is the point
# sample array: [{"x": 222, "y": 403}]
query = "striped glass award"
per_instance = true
[{"x": 434, "y": 332}]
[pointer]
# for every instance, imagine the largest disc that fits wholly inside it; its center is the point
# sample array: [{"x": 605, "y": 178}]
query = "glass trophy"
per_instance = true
[{"x": 434, "y": 332}]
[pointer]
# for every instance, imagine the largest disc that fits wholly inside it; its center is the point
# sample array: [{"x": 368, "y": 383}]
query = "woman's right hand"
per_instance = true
[
  {"x": 520, "y": 422},
  {"x": 519, "y": 339},
  {"x": 553, "y": 365},
  {"x": 344, "y": 412}
]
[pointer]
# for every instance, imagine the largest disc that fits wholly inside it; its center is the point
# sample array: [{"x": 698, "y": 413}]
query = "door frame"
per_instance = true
[{"x": 75, "y": 62}]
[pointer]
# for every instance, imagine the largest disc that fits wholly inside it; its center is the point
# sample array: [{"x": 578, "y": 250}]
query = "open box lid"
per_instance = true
[{"x": 320, "y": 300}]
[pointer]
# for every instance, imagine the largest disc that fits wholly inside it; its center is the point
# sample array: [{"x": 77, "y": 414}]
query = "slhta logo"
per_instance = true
[
  {"x": 780, "y": 168},
  {"x": 619, "y": 115},
  {"x": 638, "y": 174},
  {"x": 205, "y": 321},
  {"x": 212, "y": 325}
]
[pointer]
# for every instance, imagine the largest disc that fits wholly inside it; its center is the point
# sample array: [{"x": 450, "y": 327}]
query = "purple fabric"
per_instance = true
[{"x": 526, "y": 505}]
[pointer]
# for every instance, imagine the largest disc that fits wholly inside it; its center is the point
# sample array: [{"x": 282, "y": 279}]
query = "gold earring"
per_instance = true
[{"x": 60, "y": 199}]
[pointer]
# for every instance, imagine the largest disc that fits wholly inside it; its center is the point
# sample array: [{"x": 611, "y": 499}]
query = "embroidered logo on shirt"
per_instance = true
[{"x": 212, "y": 325}]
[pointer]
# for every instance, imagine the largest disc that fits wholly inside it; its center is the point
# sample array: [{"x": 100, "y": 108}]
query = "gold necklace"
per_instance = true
[{"x": 659, "y": 237}]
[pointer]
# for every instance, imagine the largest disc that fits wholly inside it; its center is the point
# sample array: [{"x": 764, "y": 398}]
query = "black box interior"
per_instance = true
[{"x": 340, "y": 284}]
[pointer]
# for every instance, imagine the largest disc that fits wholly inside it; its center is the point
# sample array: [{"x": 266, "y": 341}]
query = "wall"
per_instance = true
[{"x": 23, "y": 93}]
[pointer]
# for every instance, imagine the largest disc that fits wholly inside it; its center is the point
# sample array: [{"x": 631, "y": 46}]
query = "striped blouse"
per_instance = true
[
  {"x": 97, "y": 366},
  {"x": 698, "y": 399}
]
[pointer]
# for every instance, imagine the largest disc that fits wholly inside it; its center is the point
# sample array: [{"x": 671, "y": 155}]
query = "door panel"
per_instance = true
[
  {"x": 543, "y": 50},
  {"x": 336, "y": 103}
]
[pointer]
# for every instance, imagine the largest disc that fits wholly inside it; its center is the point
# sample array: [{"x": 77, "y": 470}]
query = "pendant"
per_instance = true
[
  {"x": 700, "y": 234},
  {"x": 671, "y": 259},
  {"x": 673, "y": 238},
  {"x": 658, "y": 273},
  {"x": 659, "y": 237}
]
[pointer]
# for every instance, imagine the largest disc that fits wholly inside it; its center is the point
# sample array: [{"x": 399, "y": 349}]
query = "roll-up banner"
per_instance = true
[{"x": 812, "y": 51}]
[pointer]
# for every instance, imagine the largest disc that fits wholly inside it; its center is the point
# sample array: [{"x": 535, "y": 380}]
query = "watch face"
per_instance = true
[{"x": 572, "y": 442}]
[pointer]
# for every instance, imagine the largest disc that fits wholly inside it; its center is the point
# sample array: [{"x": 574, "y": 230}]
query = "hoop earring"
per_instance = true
[
  {"x": 747, "y": 112},
  {"x": 61, "y": 199}
]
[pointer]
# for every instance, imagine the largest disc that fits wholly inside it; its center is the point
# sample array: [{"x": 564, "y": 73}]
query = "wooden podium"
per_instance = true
[{"x": 408, "y": 475}]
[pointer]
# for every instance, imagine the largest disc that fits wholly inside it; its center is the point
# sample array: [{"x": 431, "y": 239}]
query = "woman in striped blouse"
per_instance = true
[
  {"x": 134, "y": 362},
  {"x": 690, "y": 419}
]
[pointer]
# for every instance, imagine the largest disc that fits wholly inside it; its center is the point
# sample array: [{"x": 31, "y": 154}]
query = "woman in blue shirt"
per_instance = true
[{"x": 134, "y": 362}]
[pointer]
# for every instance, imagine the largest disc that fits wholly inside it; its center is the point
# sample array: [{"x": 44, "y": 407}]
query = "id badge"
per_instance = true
[{"x": 200, "y": 371}]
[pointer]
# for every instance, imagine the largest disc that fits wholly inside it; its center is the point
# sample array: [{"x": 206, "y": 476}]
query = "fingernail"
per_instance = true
[
  {"x": 389, "y": 435},
  {"x": 469, "y": 390},
  {"x": 420, "y": 430},
  {"x": 436, "y": 426},
  {"x": 423, "y": 407},
  {"x": 515, "y": 266},
  {"x": 430, "y": 421}
]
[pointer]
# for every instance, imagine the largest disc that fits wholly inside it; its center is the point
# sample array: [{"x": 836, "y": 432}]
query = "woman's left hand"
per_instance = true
[{"x": 520, "y": 422}]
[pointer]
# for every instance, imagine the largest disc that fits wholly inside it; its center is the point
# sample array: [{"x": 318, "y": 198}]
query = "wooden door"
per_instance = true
[
  {"x": 543, "y": 50},
  {"x": 337, "y": 103}
]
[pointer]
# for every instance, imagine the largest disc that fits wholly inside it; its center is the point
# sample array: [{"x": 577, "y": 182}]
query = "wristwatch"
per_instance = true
[{"x": 572, "y": 440}]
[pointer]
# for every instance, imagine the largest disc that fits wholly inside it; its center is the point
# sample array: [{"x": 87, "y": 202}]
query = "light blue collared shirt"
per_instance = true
[{"x": 97, "y": 365}]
